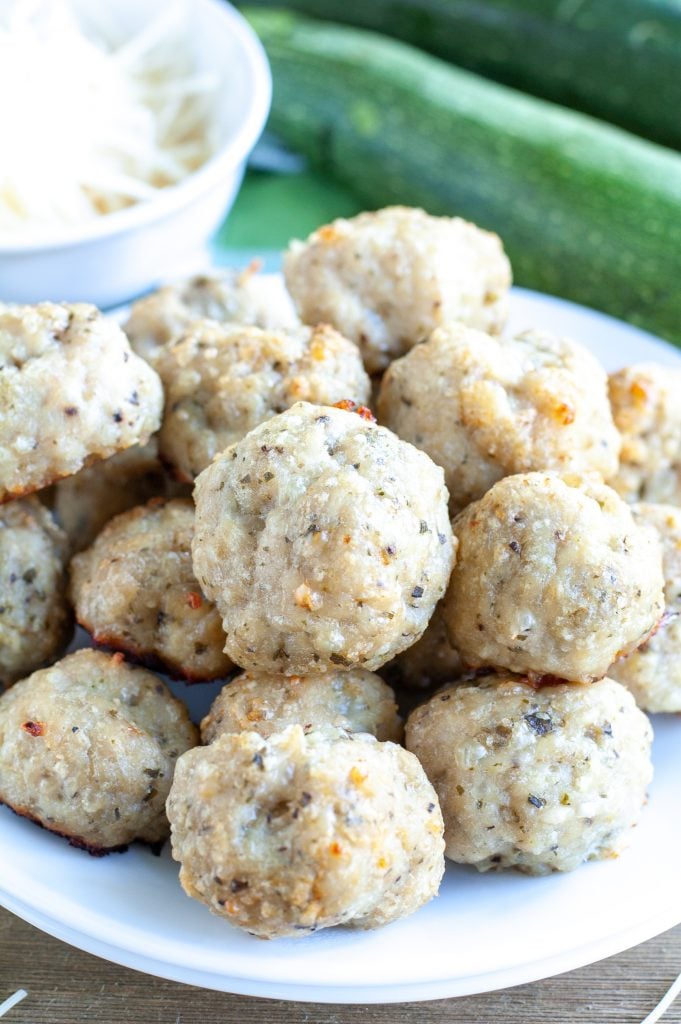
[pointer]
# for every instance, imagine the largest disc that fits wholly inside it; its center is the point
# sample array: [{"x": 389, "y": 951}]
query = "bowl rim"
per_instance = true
[{"x": 175, "y": 197}]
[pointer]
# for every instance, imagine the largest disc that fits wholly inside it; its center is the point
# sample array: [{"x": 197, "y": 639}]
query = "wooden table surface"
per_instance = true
[{"x": 66, "y": 986}]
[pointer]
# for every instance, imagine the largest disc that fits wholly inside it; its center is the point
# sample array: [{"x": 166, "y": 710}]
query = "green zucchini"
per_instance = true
[
  {"x": 616, "y": 59},
  {"x": 585, "y": 210}
]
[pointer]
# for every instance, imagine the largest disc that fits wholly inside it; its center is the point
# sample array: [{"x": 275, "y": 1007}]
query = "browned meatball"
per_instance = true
[
  {"x": 287, "y": 835},
  {"x": 35, "y": 619},
  {"x": 324, "y": 541},
  {"x": 135, "y": 590},
  {"x": 88, "y": 749},
  {"x": 553, "y": 577},
  {"x": 354, "y": 700},
  {"x": 539, "y": 779},
  {"x": 386, "y": 279},
  {"x": 71, "y": 392}
]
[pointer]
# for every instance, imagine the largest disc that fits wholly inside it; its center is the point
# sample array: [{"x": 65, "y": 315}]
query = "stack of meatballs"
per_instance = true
[{"x": 207, "y": 493}]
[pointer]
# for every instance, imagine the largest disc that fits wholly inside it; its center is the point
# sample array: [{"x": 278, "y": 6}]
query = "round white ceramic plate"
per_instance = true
[{"x": 483, "y": 932}]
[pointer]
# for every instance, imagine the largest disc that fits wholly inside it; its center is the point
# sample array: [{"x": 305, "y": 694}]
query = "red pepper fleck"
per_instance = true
[
  {"x": 361, "y": 410},
  {"x": 118, "y": 658},
  {"x": 34, "y": 728},
  {"x": 538, "y": 681},
  {"x": 194, "y": 600}
]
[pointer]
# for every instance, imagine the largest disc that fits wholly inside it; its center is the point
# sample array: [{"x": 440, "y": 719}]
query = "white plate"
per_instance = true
[{"x": 483, "y": 932}]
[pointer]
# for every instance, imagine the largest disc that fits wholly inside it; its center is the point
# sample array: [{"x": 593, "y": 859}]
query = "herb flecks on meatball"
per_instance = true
[
  {"x": 222, "y": 381},
  {"x": 653, "y": 671},
  {"x": 535, "y": 778},
  {"x": 71, "y": 392},
  {"x": 291, "y": 834},
  {"x": 354, "y": 700},
  {"x": 88, "y": 749},
  {"x": 553, "y": 577},
  {"x": 323, "y": 540},
  {"x": 386, "y": 279},
  {"x": 134, "y": 590},
  {"x": 484, "y": 408}
]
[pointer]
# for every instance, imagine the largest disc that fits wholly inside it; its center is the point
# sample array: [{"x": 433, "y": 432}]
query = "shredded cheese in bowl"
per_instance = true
[{"x": 92, "y": 122}]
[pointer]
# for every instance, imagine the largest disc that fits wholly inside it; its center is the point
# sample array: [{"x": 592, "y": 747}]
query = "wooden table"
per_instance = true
[{"x": 66, "y": 986}]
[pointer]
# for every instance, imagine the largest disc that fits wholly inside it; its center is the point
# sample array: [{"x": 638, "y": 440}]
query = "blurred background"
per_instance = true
[{"x": 555, "y": 123}]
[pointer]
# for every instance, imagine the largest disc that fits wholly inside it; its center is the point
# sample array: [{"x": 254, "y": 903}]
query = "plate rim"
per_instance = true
[
  {"x": 479, "y": 982},
  {"x": 470, "y": 985}
]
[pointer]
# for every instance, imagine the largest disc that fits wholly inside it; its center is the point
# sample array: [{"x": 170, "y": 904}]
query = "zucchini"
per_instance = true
[
  {"x": 616, "y": 59},
  {"x": 585, "y": 210}
]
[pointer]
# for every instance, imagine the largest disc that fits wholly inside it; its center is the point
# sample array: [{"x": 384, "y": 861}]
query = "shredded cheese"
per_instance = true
[{"x": 92, "y": 122}]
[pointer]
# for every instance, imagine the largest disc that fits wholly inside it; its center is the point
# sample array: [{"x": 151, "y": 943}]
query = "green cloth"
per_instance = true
[{"x": 273, "y": 208}]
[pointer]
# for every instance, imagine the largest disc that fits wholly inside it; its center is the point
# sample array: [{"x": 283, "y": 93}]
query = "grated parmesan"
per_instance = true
[{"x": 93, "y": 122}]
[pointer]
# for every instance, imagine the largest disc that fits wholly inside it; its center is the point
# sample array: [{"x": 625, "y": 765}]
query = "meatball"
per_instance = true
[
  {"x": 88, "y": 749},
  {"x": 485, "y": 408},
  {"x": 431, "y": 660},
  {"x": 324, "y": 541},
  {"x": 354, "y": 700},
  {"x": 536, "y": 779},
  {"x": 220, "y": 382},
  {"x": 134, "y": 590},
  {"x": 228, "y": 296},
  {"x": 71, "y": 391},
  {"x": 387, "y": 279},
  {"x": 290, "y": 834},
  {"x": 647, "y": 413},
  {"x": 35, "y": 619},
  {"x": 653, "y": 672},
  {"x": 553, "y": 578},
  {"x": 84, "y": 503}
]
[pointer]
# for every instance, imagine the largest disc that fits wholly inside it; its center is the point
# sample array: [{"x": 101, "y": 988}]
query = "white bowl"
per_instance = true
[{"x": 112, "y": 259}]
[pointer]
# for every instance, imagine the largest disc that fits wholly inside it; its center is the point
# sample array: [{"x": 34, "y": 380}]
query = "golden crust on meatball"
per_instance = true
[
  {"x": 324, "y": 541},
  {"x": 71, "y": 392},
  {"x": 88, "y": 749},
  {"x": 553, "y": 577},
  {"x": 535, "y": 778},
  {"x": 646, "y": 409},
  {"x": 386, "y": 279},
  {"x": 354, "y": 700},
  {"x": 221, "y": 381},
  {"x": 287, "y": 835},
  {"x": 484, "y": 408},
  {"x": 134, "y": 590}
]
